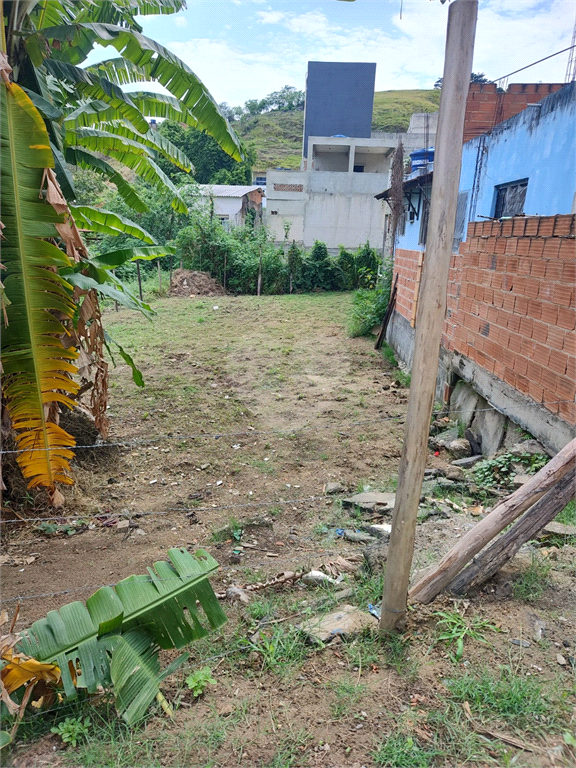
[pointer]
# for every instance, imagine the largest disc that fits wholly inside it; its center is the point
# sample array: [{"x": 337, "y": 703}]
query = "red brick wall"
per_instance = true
[
  {"x": 485, "y": 108},
  {"x": 511, "y": 306}
]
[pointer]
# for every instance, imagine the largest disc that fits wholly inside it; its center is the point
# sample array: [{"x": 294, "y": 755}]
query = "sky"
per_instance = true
[{"x": 245, "y": 49}]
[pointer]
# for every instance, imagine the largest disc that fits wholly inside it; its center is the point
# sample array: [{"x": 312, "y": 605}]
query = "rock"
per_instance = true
[
  {"x": 375, "y": 556},
  {"x": 380, "y": 531},
  {"x": 331, "y": 488},
  {"x": 521, "y": 643},
  {"x": 372, "y": 501},
  {"x": 459, "y": 448},
  {"x": 557, "y": 529},
  {"x": 531, "y": 447},
  {"x": 519, "y": 480},
  {"x": 346, "y": 621},
  {"x": 358, "y": 537},
  {"x": 431, "y": 473},
  {"x": 475, "y": 441},
  {"x": 443, "y": 439},
  {"x": 444, "y": 482},
  {"x": 490, "y": 425},
  {"x": 237, "y": 595},
  {"x": 455, "y": 473},
  {"x": 463, "y": 403},
  {"x": 560, "y": 660}
]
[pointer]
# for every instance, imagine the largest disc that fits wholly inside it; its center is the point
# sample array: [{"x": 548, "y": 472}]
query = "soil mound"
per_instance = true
[{"x": 186, "y": 282}]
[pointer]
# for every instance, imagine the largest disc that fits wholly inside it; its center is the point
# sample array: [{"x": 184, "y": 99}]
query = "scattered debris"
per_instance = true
[
  {"x": 187, "y": 282},
  {"x": 376, "y": 556},
  {"x": 339, "y": 565},
  {"x": 468, "y": 461},
  {"x": 237, "y": 595},
  {"x": 379, "y": 530},
  {"x": 332, "y": 488},
  {"x": 318, "y": 579},
  {"x": 521, "y": 643},
  {"x": 357, "y": 537},
  {"x": 347, "y": 621},
  {"x": 10, "y": 560}
]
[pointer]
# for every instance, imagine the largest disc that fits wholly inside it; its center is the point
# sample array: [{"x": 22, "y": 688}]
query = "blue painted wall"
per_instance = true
[{"x": 538, "y": 144}]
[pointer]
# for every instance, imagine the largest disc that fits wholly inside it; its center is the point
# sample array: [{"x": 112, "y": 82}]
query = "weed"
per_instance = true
[
  {"x": 454, "y": 629},
  {"x": 199, "y": 680},
  {"x": 281, "y": 651},
  {"x": 516, "y": 700},
  {"x": 531, "y": 584},
  {"x": 499, "y": 470},
  {"x": 401, "y": 750},
  {"x": 454, "y": 738},
  {"x": 73, "y": 730},
  {"x": 290, "y": 749},
  {"x": 347, "y": 693},
  {"x": 368, "y": 588},
  {"x": 233, "y": 530},
  {"x": 261, "y": 609}
]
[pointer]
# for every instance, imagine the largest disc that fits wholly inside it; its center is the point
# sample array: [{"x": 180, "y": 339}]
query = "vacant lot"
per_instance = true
[{"x": 251, "y": 406}]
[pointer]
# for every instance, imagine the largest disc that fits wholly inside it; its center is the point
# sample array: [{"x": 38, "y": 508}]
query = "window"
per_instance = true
[
  {"x": 510, "y": 199},
  {"x": 224, "y": 220},
  {"x": 260, "y": 180},
  {"x": 358, "y": 169},
  {"x": 424, "y": 220}
]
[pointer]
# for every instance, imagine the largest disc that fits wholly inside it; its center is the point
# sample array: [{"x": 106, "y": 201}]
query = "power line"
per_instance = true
[{"x": 505, "y": 77}]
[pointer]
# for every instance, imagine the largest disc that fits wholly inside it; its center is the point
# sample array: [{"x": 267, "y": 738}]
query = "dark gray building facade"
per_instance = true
[{"x": 339, "y": 100}]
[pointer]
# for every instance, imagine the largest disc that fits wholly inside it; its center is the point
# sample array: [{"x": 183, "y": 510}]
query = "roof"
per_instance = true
[
  {"x": 417, "y": 181},
  {"x": 228, "y": 190}
]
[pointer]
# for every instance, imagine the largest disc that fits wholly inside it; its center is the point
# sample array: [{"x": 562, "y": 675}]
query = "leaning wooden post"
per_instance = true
[{"x": 431, "y": 306}]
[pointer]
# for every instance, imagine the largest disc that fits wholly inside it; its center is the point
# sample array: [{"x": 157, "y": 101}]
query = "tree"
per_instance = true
[
  {"x": 54, "y": 112},
  {"x": 475, "y": 77}
]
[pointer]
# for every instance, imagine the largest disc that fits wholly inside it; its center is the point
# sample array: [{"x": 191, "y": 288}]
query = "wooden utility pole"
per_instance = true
[{"x": 431, "y": 305}]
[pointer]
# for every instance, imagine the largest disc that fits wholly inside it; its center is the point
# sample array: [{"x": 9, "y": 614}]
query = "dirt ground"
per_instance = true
[{"x": 251, "y": 406}]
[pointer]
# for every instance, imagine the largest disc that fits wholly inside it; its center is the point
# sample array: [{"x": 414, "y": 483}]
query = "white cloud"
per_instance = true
[
  {"x": 181, "y": 21},
  {"x": 270, "y": 17}
]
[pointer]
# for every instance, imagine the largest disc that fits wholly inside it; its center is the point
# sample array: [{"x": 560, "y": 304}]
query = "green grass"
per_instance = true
[
  {"x": 568, "y": 514},
  {"x": 400, "y": 750},
  {"x": 453, "y": 629},
  {"x": 508, "y": 696},
  {"x": 531, "y": 584},
  {"x": 401, "y": 376},
  {"x": 291, "y": 749},
  {"x": 393, "y": 109},
  {"x": 347, "y": 693}
]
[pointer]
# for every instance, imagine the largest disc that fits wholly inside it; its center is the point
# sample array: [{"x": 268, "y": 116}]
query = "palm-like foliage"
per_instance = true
[
  {"x": 114, "y": 639},
  {"x": 77, "y": 115}
]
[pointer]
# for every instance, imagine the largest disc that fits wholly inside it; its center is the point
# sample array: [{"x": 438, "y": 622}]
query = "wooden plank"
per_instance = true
[
  {"x": 493, "y": 558},
  {"x": 388, "y": 315},
  {"x": 495, "y": 522}
]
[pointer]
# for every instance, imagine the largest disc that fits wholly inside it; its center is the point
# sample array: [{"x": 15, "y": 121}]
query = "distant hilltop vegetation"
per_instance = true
[{"x": 277, "y": 135}]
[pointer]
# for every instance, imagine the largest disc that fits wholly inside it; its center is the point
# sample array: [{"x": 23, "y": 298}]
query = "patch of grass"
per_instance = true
[
  {"x": 532, "y": 583},
  {"x": 456, "y": 741},
  {"x": 453, "y": 629},
  {"x": 232, "y": 531},
  {"x": 282, "y": 649},
  {"x": 396, "y": 648},
  {"x": 347, "y": 693},
  {"x": 262, "y": 609},
  {"x": 401, "y": 376},
  {"x": 290, "y": 750},
  {"x": 368, "y": 588},
  {"x": 401, "y": 750},
  {"x": 515, "y": 700},
  {"x": 364, "y": 649},
  {"x": 568, "y": 514}
]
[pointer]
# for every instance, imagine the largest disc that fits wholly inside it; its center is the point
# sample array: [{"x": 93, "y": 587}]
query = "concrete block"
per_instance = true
[
  {"x": 463, "y": 403},
  {"x": 490, "y": 424}
]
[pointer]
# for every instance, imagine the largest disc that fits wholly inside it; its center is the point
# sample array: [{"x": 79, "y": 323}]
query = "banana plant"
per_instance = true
[
  {"x": 55, "y": 113},
  {"x": 113, "y": 640}
]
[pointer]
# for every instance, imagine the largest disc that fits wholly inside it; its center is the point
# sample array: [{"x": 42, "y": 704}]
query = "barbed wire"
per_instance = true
[
  {"x": 136, "y": 514},
  {"x": 247, "y": 433}
]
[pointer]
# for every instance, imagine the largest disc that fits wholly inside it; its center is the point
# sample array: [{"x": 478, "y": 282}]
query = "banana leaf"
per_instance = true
[
  {"x": 37, "y": 369},
  {"x": 106, "y": 283},
  {"x": 84, "y": 159},
  {"x": 149, "y": 58},
  {"x": 113, "y": 259},
  {"x": 107, "y": 222},
  {"x": 114, "y": 638},
  {"x": 136, "y": 372}
]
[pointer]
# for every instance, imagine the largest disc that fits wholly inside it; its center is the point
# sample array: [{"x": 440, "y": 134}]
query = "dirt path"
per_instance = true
[{"x": 250, "y": 407}]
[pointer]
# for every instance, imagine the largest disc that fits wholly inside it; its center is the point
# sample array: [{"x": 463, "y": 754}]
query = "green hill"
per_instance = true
[{"x": 277, "y": 136}]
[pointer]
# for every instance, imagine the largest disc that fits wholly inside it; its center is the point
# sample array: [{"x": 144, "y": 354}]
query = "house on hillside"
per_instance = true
[
  {"x": 232, "y": 202},
  {"x": 511, "y": 317},
  {"x": 344, "y": 164}
]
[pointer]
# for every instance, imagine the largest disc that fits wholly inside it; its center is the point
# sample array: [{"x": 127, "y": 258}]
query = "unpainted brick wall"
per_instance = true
[
  {"x": 511, "y": 305},
  {"x": 485, "y": 108}
]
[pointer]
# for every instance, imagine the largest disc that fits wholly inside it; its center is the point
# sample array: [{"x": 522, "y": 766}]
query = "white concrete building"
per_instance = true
[{"x": 332, "y": 198}]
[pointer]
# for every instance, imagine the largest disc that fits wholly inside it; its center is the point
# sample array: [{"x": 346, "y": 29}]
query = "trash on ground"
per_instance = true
[
  {"x": 372, "y": 501},
  {"x": 318, "y": 579},
  {"x": 237, "y": 595}
]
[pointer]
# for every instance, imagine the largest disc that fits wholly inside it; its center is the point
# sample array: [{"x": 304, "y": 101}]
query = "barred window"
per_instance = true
[{"x": 510, "y": 199}]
